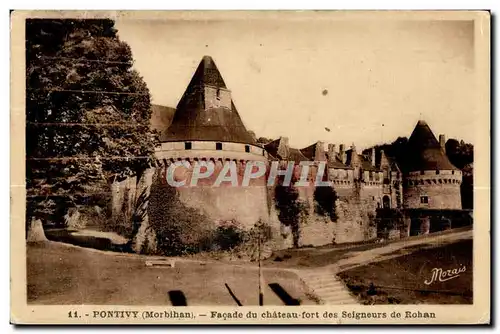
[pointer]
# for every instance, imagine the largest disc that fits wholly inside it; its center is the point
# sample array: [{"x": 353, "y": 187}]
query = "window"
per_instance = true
[
  {"x": 422, "y": 172},
  {"x": 247, "y": 148},
  {"x": 452, "y": 172},
  {"x": 424, "y": 199},
  {"x": 218, "y": 94},
  {"x": 437, "y": 171},
  {"x": 218, "y": 146},
  {"x": 188, "y": 145}
]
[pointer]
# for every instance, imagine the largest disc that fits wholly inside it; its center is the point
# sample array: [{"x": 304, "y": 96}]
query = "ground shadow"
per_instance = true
[
  {"x": 66, "y": 236},
  {"x": 177, "y": 298},
  {"x": 283, "y": 295},
  {"x": 233, "y": 295}
]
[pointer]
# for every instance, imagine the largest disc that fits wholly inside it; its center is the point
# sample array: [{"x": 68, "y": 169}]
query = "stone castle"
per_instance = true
[{"x": 206, "y": 126}]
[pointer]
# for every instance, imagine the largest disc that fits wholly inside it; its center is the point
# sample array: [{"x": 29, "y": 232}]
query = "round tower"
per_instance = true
[
  {"x": 206, "y": 128},
  {"x": 430, "y": 179}
]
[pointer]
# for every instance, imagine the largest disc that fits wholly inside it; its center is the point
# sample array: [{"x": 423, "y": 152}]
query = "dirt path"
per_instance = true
[{"x": 395, "y": 249}]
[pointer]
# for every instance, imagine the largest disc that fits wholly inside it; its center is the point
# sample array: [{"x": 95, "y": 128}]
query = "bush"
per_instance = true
[
  {"x": 179, "y": 229},
  {"x": 85, "y": 216},
  {"x": 228, "y": 236}
]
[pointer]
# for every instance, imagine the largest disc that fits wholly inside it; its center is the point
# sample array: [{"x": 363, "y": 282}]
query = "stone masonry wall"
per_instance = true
[
  {"x": 440, "y": 196},
  {"x": 355, "y": 208}
]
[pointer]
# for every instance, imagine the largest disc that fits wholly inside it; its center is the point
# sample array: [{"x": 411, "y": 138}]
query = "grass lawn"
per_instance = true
[
  {"x": 401, "y": 279},
  {"x": 312, "y": 257},
  {"x": 60, "y": 274}
]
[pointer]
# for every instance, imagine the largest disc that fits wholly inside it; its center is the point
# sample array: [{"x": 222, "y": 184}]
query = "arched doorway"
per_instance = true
[
  {"x": 415, "y": 227},
  {"x": 386, "y": 202}
]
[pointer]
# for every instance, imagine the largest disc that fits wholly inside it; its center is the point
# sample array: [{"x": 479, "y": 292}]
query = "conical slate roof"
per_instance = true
[
  {"x": 424, "y": 152},
  {"x": 194, "y": 121}
]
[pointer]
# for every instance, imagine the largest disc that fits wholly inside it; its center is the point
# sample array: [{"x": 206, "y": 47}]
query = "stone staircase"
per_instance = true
[{"x": 327, "y": 287}]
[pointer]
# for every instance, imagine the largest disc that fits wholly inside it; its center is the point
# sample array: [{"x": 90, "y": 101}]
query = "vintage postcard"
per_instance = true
[{"x": 232, "y": 167}]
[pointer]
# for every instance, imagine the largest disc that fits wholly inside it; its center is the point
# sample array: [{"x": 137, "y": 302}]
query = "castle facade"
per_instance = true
[{"x": 206, "y": 126}]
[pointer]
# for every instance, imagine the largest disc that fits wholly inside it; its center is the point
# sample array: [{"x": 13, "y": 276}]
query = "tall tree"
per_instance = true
[
  {"x": 461, "y": 154},
  {"x": 87, "y": 113}
]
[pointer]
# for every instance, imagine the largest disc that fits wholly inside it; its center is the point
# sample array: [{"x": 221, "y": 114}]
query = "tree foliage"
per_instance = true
[
  {"x": 460, "y": 153},
  {"x": 264, "y": 140},
  {"x": 396, "y": 149},
  {"x": 325, "y": 199},
  {"x": 292, "y": 211},
  {"x": 87, "y": 112}
]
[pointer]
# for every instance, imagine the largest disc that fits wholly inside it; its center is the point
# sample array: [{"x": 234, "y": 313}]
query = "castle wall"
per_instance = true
[
  {"x": 355, "y": 207},
  {"x": 355, "y": 222},
  {"x": 371, "y": 196},
  {"x": 442, "y": 190},
  {"x": 344, "y": 190},
  {"x": 245, "y": 205},
  {"x": 317, "y": 231}
]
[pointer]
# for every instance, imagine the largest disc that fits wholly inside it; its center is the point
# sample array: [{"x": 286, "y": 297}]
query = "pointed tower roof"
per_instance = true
[
  {"x": 208, "y": 74},
  {"x": 196, "y": 119},
  {"x": 424, "y": 151}
]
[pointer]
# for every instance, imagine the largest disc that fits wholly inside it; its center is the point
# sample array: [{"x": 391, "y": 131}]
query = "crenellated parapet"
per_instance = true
[
  {"x": 434, "y": 177},
  {"x": 190, "y": 162},
  {"x": 210, "y": 150}
]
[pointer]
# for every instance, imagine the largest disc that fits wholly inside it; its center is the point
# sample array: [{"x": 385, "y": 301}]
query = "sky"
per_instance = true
[{"x": 367, "y": 81}]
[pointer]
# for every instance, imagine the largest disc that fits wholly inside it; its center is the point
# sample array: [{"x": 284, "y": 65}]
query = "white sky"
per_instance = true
[{"x": 376, "y": 72}]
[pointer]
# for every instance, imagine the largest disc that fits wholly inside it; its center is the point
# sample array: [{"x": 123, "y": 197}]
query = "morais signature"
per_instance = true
[{"x": 438, "y": 274}]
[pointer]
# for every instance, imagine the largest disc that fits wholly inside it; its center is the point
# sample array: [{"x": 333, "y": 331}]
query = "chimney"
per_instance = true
[
  {"x": 354, "y": 156},
  {"x": 442, "y": 142},
  {"x": 319, "y": 155},
  {"x": 283, "y": 148},
  {"x": 373, "y": 156},
  {"x": 331, "y": 152},
  {"x": 342, "y": 154}
]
